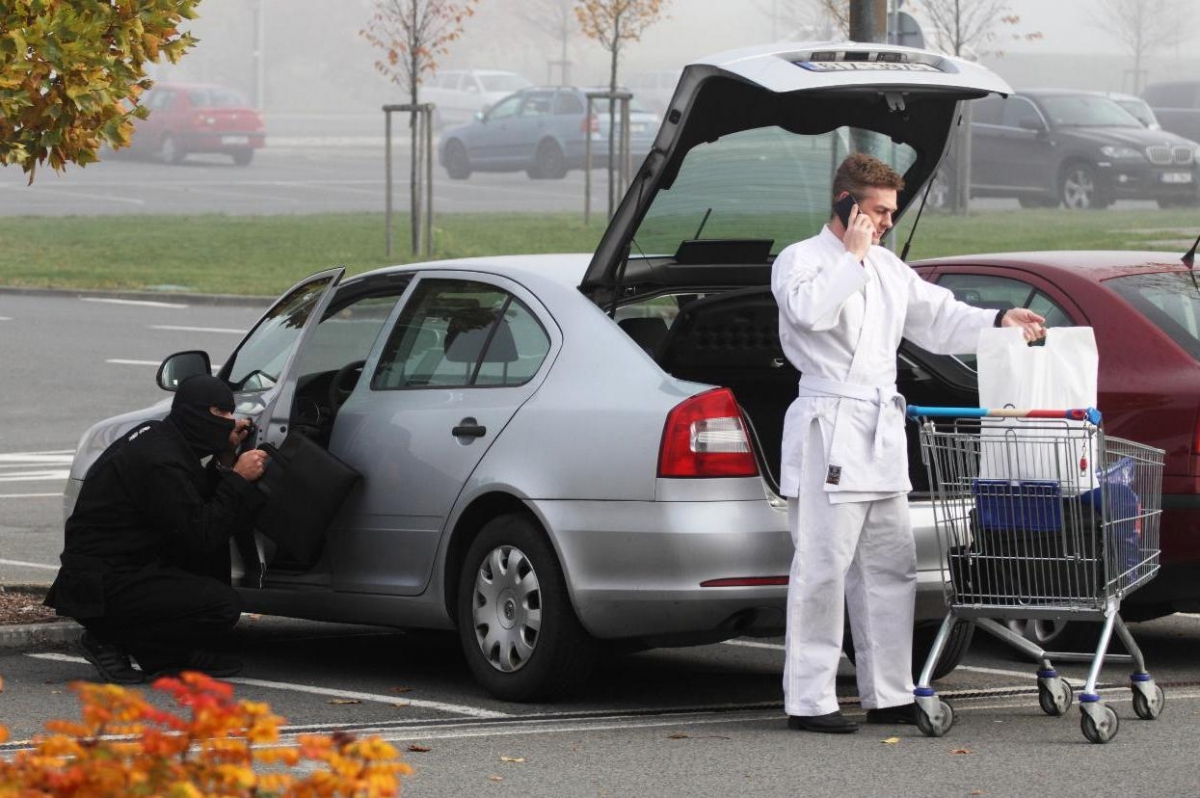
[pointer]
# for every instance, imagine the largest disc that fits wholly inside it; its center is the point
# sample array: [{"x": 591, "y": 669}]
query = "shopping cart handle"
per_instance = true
[{"x": 1089, "y": 414}]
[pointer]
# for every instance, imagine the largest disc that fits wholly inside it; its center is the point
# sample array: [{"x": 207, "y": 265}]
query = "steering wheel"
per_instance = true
[{"x": 342, "y": 384}]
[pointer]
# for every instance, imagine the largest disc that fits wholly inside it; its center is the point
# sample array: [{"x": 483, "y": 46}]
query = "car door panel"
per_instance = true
[{"x": 417, "y": 445}]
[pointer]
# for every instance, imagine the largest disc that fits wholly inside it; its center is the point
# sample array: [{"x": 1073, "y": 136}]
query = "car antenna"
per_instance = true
[
  {"x": 703, "y": 222},
  {"x": 1189, "y": 260},
  {"x": 916, "y": 221}
]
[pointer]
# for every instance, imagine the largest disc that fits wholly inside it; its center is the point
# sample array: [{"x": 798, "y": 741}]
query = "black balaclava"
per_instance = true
[{"x": 205, "y": 433}]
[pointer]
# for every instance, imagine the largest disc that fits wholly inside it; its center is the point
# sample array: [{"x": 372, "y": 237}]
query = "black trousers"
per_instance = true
[{"x": 161, "y": 614}]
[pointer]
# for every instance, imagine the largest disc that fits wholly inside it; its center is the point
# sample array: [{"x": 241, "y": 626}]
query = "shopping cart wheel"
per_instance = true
[
  {"x": 938, "y": 724},
  {"x": 1148, "y": 700},
  {"x": 1100, "y": 724},
  {"x": 1055, "y": 696}
]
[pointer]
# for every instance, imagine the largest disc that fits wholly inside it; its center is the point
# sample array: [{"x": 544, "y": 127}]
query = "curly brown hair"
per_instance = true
[{"x": 860, "y": 171}]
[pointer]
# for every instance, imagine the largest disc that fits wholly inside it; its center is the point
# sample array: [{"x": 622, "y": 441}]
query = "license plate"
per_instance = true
[
  {"x": 1176, "y": 177},
  {"x": 235, "y": 139}
]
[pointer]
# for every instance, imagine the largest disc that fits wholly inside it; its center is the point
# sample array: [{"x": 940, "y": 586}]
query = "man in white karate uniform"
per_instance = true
[{"x": 844, "y": 305}]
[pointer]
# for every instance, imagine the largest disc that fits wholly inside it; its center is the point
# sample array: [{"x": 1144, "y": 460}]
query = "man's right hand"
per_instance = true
[
  {"x": 251, "y": 465},
  {"x": 860, "y": 232}
]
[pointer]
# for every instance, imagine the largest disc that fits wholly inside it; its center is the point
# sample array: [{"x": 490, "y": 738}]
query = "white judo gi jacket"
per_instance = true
[{"x": 840, "y": 323}]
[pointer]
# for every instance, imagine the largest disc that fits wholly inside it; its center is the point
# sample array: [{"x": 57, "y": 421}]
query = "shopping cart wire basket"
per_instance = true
[{"x": 1040, "y": 515}]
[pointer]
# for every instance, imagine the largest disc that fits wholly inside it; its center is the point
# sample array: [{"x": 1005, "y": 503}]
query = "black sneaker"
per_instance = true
[
  {"x": 109, "y": 660},
  {"x": 207, "y": 662},
  {"x": 833, "y": 723},
  {"x": 905, "y": 714}
]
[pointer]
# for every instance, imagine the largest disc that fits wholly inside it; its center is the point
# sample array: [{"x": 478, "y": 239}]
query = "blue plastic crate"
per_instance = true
[{"x": 1032, "y": 505}]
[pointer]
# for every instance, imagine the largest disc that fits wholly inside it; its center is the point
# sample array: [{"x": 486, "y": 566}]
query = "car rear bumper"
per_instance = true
[
  {"x": 637, "y": 569},
  {"x": 225, "y": 141}
]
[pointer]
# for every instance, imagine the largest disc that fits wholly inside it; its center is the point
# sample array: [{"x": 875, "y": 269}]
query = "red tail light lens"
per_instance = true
[
  {"x": 589, "y": 124},
  {"x": 705, "y": 436}
]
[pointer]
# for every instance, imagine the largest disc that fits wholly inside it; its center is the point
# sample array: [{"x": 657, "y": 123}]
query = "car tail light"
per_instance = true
[
  {"x": 705, "y": 436},
  {"x": 589, "y": 124}
]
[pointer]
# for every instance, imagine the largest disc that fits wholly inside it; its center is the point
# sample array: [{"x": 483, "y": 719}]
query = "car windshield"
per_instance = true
[
  {"x": 766, "y": 184},
  {"x": 1140, "y": 111},
  {"x": 503, "y": 82},
  {"x": 257, "y": 364},
  {"x": 1083, "y": 111},
  {"x": 1171, "y": 300}
]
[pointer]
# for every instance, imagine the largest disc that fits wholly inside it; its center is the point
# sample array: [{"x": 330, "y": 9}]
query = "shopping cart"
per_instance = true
[{"x": 1039, "y": 515}]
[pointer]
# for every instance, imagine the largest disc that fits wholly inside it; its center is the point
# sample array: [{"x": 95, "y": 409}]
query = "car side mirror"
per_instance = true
[{"x": 181, "y": 365}]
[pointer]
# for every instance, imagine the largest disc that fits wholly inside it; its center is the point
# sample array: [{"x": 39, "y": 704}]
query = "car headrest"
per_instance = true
[{"x": 463, "y": 345}]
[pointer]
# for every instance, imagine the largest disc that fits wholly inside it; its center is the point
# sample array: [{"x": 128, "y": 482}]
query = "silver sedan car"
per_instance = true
[{"x": 562, "y": 450}]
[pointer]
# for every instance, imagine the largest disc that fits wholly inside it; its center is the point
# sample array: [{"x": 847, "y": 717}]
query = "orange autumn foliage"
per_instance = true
[{"x": 213, "y": 746}]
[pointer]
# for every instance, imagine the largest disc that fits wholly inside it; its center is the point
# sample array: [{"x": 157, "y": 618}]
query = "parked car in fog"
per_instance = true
[
  {"x": 1047, "y": 147},
  {"x": 459, "y": 94},
  {"x": 1176, "y": 104},
  {"x": 542, "y": 131},
  {"x": 187, "y": 118},
  {"x": 563, "y": 449}
]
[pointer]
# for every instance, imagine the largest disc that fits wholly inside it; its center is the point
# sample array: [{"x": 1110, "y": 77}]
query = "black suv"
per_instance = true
[{"x": 1081, "y": 149}]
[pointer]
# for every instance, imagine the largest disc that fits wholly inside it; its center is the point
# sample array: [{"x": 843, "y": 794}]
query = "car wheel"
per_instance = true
[
  {"x": 923, "y": 634},
  {"x": 169, "y": 151},
  {"x": 549, "y": 163},
  {"x": 243, "y": 157},
  {"x": 1080, "y": 189},
  {"x": 516, "y": 625},
  {"x": 1058, "y": 635},
  {"x": 1037, "y": 201},
  {"x": 458, "y": 164}
]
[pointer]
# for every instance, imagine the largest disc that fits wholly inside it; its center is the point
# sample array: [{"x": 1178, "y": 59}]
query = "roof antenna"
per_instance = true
[{"x": 1189, "y": 260}]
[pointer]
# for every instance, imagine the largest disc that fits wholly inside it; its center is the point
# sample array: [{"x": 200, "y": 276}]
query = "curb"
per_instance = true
[
  {"x": 149, "y": 296},
  {"x": 24, "y": 636}
]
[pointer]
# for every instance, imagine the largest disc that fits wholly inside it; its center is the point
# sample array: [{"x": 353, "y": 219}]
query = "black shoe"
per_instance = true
[
  {"x": 905, "y": 714},
  {"x": 207, "y": 662},
  {"x": 833, "y": 723},
  {"x": 109, "y": 660}
]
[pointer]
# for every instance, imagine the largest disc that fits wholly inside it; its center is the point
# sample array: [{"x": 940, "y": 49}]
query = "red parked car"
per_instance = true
[
  {"x": 188, "y": 118},
  {"x": 1145, "y": 310}
]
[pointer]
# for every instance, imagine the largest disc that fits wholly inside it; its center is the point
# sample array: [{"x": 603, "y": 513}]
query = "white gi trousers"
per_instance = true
[{"x": 855, "y": 555}]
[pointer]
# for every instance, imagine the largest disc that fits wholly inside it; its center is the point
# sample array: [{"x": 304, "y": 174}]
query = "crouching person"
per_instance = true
[{"x": 145, "y": 565}]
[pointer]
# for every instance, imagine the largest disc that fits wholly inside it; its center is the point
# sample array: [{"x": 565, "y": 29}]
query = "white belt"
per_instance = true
[{"x": 883, "y": 396}]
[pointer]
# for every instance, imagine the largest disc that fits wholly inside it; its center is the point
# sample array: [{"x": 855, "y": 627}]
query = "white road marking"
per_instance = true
[
  {"x": 31, "y": 495},
  {"x": 62, "y": 456},
  {"x": 30, "y": 565},
  {"x": 354, "y": 695},
  {"x": 457, "y": 709},
  {"x": 34, "y": 467},
  {"x": 177, "y": 328},
  {"x": 36, "y": 476},
  {"x": 5, "y": 318},
  {"x": 116, "y": 361},
  {"x": 143, "y": 302}
]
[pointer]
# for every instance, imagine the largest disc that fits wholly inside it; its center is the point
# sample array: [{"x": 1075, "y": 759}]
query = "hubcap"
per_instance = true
[
  {"x": 507, "y": 608},
  {"x": 1078, "y": 190}
]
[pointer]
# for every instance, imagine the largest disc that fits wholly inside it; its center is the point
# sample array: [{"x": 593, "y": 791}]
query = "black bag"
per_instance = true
[{"x": 305, "y": 487}]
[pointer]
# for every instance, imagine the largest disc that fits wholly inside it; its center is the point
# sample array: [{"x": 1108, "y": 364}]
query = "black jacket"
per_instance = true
[{"x": 148, "y": 501}]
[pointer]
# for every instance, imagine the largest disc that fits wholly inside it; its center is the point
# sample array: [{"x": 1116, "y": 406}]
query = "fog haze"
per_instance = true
[{"x": 314, "y": 59}]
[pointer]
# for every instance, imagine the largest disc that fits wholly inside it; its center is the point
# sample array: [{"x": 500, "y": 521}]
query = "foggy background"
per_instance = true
[{"x": 314, "y": 60}]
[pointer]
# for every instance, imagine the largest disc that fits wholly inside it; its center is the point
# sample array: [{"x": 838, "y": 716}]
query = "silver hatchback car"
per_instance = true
[{"x": 561, "y": 450}]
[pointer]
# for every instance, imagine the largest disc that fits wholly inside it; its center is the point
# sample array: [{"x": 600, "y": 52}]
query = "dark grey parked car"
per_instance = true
[
  {"x": 1177, "y": 106},
  {"x": 1080, "y": 149}
]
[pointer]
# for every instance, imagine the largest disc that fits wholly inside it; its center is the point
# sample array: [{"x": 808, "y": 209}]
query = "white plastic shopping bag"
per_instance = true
[{"x": 1059, "y": 375}]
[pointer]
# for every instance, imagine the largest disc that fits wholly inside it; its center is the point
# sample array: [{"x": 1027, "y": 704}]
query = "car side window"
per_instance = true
[
  {"x": 504, "y": 109},
  {"x": 1002, "y": 293},
  {"x": 455, "y": 333},
  {"x": 346, "y": 333},
  {"x": 1019, "y": 112},
  {"x": 567, "y": 103},
  {"x": 537, "y": 104}
]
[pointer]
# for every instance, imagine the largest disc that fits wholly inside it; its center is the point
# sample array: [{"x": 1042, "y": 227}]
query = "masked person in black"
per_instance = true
[{"x": 145, "y": 566}]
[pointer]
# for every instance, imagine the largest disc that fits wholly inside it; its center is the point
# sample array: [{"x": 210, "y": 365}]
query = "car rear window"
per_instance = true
[
  {"x": 216, "y": 98},
  {"x": 1171, "y": 300}
]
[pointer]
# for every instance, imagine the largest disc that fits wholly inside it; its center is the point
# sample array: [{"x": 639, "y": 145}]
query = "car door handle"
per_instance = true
[{"x": 469, "y": 428}]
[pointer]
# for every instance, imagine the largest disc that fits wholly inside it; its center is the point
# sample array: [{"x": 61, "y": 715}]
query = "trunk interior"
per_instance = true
[{"x": 731, "y": 339}]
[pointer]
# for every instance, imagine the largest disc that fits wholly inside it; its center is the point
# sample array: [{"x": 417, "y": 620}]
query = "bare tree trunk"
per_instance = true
[{"x": 414, "y": 213}]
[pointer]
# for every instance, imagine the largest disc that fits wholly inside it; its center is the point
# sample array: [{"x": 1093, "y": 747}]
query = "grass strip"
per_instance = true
[{"x": 263, "y": 255}]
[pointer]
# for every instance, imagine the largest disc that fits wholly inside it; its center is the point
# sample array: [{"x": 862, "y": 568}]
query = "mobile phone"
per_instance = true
[{"x": 842, "y": 208}]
